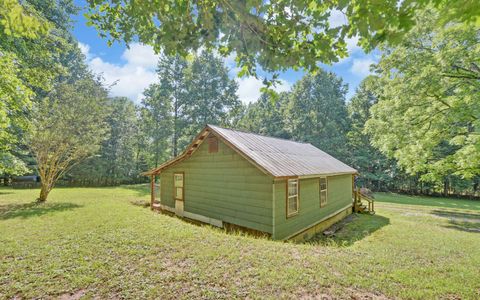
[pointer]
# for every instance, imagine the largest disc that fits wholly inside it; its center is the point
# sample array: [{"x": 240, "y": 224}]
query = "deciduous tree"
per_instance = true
[
  {"x": 118, "y": 157},
  {"x": 267, "y": 116},
  {"x": 375, "y": 170},
  {"x": 428, "y": 113},
  {"x": 33, "y": 38},
  {"x": 275, "y": 34},
  {"x": 69, "y": 126}
]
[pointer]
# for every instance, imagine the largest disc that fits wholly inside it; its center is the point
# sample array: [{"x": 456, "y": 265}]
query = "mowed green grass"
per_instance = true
[
  {"x": 428, "y": 201},
  {"x": 93, "y": 242}
]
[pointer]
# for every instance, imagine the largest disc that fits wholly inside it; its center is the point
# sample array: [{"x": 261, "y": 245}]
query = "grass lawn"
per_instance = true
[{"x": 93, "y": 242}]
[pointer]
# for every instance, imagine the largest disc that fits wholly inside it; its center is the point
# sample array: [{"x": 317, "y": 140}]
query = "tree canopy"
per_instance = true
[
  {"x": 376, "y": 170},
  {"x": 411, "y": 126},
  {"x": 211, "y": 94},
  {"x": 69, "y": 126},
  {"x": 275, "y": 35},
  {"x": 428, "y": 113},
  {"x": 266, "y": 116},
  {"x": 316, "y": 113},
  {"x": 33, "y": 38},
  {"x": 189, "y": 94}
]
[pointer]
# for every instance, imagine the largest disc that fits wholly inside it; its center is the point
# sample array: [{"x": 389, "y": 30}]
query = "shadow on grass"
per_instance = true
[
  {"x": 28, "y": 210},
  {"x": 140, "y": 202},
  {"x": 359, "y": 227},
  {"x": 455, "y": 214},
  {"x": 464, "y": 226},
  {"x": 467, "y": 222},
  {"x": 428, "y": 201}
]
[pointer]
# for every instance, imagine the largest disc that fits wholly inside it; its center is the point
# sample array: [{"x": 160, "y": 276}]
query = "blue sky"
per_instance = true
[{"x": 130, "y": 71}]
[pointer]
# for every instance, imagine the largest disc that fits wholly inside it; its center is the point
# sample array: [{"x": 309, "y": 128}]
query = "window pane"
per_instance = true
[
  {"x": 292, "y": 187},
  {"x": 178, "y": 178},
  {"x": 292, "y": 184},
  {"x": 178, "y": 193},
  {"x": 292, "y": 205},
  {"x": 323, "y": 197},
  {"x": 292, "y": 191},
  {"x": 323, "y": 183},
  {"x": 292, "y": 196}
]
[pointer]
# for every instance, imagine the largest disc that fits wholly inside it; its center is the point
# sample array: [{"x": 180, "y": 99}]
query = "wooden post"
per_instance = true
[
  {"x": 355, "y": 200},
  {"x": 152, "y": 191},
  {"x": 353, "y": 183}
]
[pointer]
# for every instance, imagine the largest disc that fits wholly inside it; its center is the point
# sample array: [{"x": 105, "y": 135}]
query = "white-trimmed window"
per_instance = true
[
  {"x": 178, "y": 186},
  {"x": 323, "y": 191},
  {"x": 292, "y": 197}
]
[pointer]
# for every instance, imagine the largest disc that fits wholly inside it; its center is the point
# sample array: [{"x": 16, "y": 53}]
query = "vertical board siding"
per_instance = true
[
  {"x": 339, "y": 193},
  {"x": 224, "y": 186}
]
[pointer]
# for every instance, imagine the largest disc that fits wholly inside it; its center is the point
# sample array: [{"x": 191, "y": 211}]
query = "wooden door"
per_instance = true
[{"x": 179, "y": 192}]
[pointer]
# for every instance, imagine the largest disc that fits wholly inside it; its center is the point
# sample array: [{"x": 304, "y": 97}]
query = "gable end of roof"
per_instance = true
[{"x": 273, "y": 156}]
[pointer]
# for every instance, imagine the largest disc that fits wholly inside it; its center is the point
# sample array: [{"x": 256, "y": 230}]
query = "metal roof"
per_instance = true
[
  {"x": 275, "y": 156},
  {"x": 282, "y": 157}
]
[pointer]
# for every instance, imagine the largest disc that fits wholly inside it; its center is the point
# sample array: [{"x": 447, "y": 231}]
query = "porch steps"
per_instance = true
[
  {"x": 156, "y": 206},
  {"x": 359, "y": 201}
]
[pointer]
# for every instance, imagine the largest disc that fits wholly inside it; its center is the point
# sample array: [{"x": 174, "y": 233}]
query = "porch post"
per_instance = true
[{"x": 152, "y": 191}]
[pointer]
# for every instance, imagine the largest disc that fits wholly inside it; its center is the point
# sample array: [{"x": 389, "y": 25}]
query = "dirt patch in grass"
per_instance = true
[
  {"x": 361, "y": 295},
  {"x": 347, "y": 293},
  {"x": 73, "y": 295}
]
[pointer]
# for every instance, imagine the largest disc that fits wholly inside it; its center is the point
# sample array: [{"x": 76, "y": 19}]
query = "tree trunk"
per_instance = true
[
  {"x": 44, "y": 191},
  {"x": 445, "y": 188},
  {"x": 175, "y": 129}
]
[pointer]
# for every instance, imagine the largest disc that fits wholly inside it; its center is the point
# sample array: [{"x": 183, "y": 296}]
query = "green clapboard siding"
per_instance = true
[
  {"x": 223, "y": 186},
  {"x": 339, "y": 195}
]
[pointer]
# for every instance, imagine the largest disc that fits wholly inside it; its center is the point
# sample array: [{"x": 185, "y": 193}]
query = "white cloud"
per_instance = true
[
  {"x": 249, "y": 88},
  {"x": 352, "y": 44},
  {"x": 337, "y": 18},
  {"x": 85, "y": 49},
  {"x": 131, "y": 77},
  {"x": 141, "y": 55},
  {"x": 137, "y": 71},
  {"x": 361, "y": 67}
]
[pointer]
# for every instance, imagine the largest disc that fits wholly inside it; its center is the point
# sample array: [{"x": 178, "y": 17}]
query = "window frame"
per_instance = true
[
  {"x": 323, "y": 203},
  {"x": 287, "y": 197},
  {"x": 175, "y": 187}
]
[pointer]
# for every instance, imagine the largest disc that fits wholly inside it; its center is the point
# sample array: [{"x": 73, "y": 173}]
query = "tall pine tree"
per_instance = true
[
  {"x": 212, "y": 97},
  {"x": 316, "y": 113}
]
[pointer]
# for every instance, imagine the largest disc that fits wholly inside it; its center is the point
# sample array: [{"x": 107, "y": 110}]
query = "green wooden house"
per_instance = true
[{"x": 286, "y": 189}]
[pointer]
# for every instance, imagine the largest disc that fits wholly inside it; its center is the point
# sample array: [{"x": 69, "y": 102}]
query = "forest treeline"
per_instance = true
[{"x": 412, "y": 126}]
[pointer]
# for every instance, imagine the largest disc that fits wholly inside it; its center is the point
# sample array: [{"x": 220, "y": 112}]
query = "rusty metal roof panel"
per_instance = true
[{"x": 281, "y": 157}]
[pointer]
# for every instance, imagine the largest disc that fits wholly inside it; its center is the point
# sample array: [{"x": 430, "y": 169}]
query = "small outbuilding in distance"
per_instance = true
[{"x": 230, "y": 178}]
